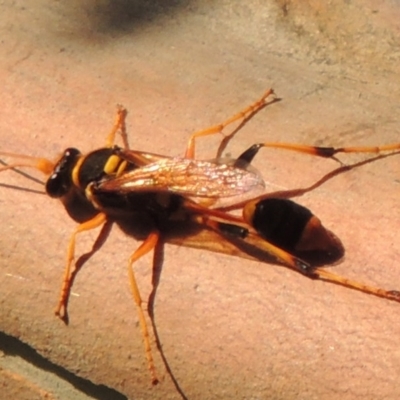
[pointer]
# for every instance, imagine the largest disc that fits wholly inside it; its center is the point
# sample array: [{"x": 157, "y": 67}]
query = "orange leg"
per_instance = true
[
  {"x": 319, "y": 273},
  {"x": 308, "y": 270},
  {"x": 342, "y": 281},
  {"x": 231, "y": 226},
  {"x": 190, "y": 149},
  {"x": 95, "y": 222},
  {"x": 119, "y": 125},
  {"x": 148, "y": 245},
  {"x": 329, "y": 152},
  {"x": 326, "y": 152},
  {"x": 41, "y": 164}
]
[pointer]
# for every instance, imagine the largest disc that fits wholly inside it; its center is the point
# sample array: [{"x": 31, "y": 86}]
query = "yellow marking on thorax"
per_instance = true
[
  {"x": 75, "y": 171},
  {"x": 115, "y": 165}
]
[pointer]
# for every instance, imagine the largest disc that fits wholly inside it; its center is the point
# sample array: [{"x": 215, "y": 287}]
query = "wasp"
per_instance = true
[{"x": 218, "y": 205}]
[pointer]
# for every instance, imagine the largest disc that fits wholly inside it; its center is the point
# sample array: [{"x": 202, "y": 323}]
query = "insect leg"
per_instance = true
[
  {"x": 93, "y": 223},
  {"x": 326, "y": 152},
  {"x": 41, "y": 164},
  {"x": 119, "y": 125},
  {"x": 342, "y": 281},
  {"x": 286, "y": 258},
  {"x": 230, "y": 226},
  {"x": 294, "y": 227},
  {"x": 250, "y": 238},
  {"x": 148, "y": 245},
  {"x": 190, "y": 149}
]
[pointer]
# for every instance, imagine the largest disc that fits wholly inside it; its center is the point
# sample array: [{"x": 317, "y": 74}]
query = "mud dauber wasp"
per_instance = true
[{"x": 192, "y": 202}]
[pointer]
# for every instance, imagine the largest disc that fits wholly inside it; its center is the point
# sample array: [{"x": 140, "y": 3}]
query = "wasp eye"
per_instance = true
[{"x": 60, "y": 180}]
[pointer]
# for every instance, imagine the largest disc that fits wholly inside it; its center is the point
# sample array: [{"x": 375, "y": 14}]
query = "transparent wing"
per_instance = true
[{"x": 187, "y": 177}]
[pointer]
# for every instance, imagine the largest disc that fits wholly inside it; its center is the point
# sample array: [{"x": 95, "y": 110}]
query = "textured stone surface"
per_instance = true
[{"x": 230, "y": 328}]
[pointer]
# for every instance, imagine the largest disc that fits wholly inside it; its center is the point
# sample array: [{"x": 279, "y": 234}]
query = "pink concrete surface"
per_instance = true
[{"x": 229, "y": 328}]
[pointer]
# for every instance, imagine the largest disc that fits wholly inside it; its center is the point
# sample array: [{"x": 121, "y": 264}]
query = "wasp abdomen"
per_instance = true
[{"x": 288, "y": 225}]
